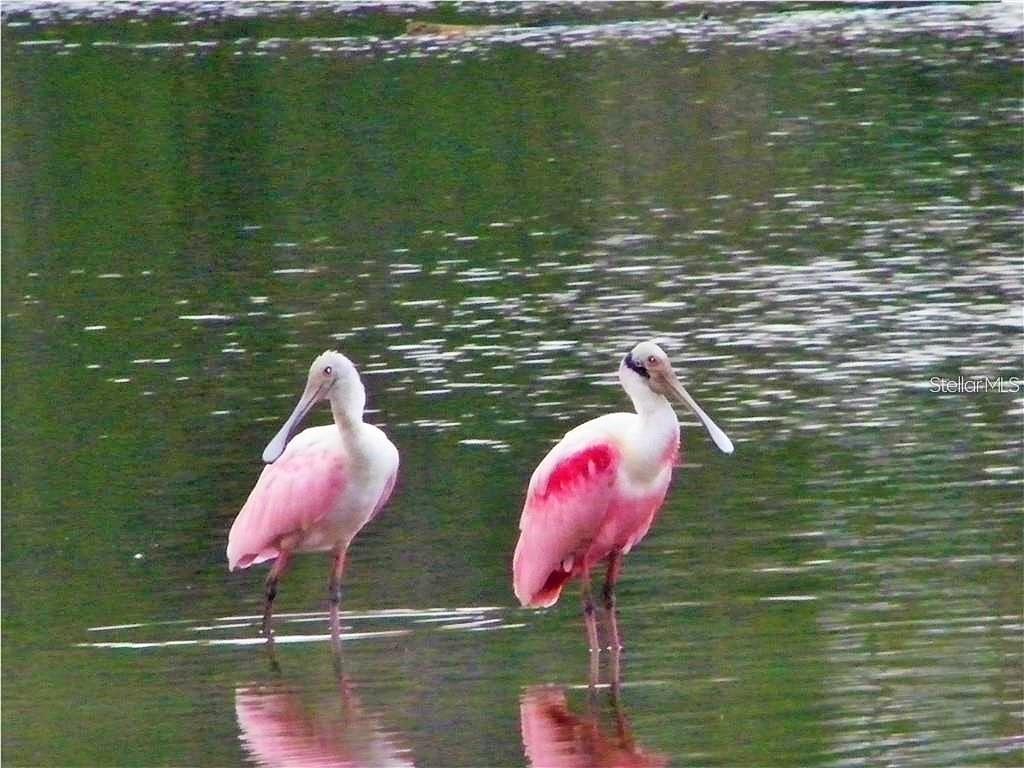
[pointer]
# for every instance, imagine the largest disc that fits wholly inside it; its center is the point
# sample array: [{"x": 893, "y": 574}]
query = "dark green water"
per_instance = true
[{"x": 816, "y": 213}]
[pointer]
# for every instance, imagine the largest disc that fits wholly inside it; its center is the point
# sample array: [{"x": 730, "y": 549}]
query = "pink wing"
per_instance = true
[
  {"x": 564, "y": 510},
  {"x": 292, "y": 494}
]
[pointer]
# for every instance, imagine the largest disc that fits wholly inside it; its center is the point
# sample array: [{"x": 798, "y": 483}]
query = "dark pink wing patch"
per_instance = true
[
  {"x": 559, "y": 521},
  {"x": 579, "y": 469}
]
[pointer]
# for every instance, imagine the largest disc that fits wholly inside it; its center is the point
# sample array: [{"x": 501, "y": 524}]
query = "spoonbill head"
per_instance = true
[
  {"x": 596, "y": 493},
  {"x": 332, "y": 376},
  {"x": 647, "y": 367},
  {"x": 319, "y": 487}
]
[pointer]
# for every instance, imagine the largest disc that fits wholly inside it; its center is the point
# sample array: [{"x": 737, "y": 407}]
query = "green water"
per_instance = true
[{"x": 816, "y": 212}]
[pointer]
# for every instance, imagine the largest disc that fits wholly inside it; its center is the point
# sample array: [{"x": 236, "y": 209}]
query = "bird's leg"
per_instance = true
[
  {"x": 275, "y": 665},
  {"x": 338, "y": 661},
  {"x": 615, "y": 674},
  {"x": 622, "y": 727},
  {"x": 614, "y": 569},
  {"x": 276, "y": 570},
  {"x": 591, "y": 622},
  {"x": 335, "y": 596}
]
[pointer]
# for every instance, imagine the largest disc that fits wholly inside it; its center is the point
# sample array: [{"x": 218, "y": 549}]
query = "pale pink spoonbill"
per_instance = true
[
  {"x": 320, "y": 486},
  {"x": 595, "y": 494}
]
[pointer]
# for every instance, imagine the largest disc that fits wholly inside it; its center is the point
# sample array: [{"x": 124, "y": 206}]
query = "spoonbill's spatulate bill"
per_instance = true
[
  {"x": 596, "y": 493},
  {"x": 320, "y": 486}
]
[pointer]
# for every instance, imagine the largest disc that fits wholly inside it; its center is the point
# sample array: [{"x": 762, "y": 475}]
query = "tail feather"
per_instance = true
[
  {"x": 536, "y": 583},
  {"x": 552, "y": 589},
  {"x": 566, "y": 504}
]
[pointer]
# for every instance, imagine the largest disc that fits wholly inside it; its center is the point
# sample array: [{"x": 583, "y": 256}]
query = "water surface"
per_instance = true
[{"x": 816, "y": 212}]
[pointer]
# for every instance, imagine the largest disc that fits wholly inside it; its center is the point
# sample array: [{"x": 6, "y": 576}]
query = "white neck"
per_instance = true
[
  {"x": 655, "y": 431},
  {"x": 347, "y": 404},
  {"x": 646, "y": 402}
]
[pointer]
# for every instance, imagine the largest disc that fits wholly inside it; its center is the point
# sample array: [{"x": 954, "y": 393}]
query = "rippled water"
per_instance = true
[{"x": 817, "y": 212}]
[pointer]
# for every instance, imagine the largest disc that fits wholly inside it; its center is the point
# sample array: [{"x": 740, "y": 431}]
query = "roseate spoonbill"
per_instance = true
[
  {"x": 320, "y": 487},
  {"x": 595, "y": 494}
]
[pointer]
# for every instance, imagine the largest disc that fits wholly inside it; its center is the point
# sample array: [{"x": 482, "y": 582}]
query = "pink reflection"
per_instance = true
[
  {"x": 555, "y": 737},
  {"x": 280, "y": 729}
]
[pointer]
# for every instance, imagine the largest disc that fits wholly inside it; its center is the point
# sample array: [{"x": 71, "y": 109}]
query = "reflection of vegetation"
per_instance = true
[
  {"x": 321, "y": 20},
  {"x": 413, "y": 27}
]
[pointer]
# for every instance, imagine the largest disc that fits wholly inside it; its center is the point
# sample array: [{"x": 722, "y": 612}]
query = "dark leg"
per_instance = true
[
  {"x": 614, "y": 569},
  {"x": 335, "y": 596},
  {"x": 275, "y": 666},
  {"x": 276, "y": 571},
  {"x": 615, "y": 674},
  {"x": 591, "y": 622},
  {"x": 622, "y": 727}
]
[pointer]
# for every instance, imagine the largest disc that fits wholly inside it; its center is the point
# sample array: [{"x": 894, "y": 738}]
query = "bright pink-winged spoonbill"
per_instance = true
[
  {"x": 596, "y": 492},
  {"x": 320, "y": 486}
]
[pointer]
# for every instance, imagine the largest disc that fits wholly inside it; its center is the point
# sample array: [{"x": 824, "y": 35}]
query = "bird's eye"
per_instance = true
[
  {"x": 328, "y": 370},
  {"x": 652, "y": 360}
]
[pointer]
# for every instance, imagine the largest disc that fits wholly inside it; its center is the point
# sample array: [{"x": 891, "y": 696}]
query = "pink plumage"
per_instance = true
[
  {"x": 596, "y": 493},
  {"x": 592, "y": 466},
  {"x": 576, "y": 516},
  {"x": 292, "y": 495},
  {"x": 320, "y": 485},
  {"x": 563, "y": 512}
]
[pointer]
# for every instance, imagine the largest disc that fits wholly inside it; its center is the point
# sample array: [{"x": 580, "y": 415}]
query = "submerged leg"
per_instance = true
[
  {"x": 614, "y": 569},
  {"x": 615, "y": 671},
  {"x": 276, "y": 570},
  {"x": 591, "y": 622},
  {"x": 335, "y": 596},
  {"x": 623, "y": 729}
]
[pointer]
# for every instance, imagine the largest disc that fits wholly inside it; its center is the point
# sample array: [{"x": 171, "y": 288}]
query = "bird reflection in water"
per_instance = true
[
  {"x": 281, "y": 727},
  {"x": 556, "y": 737}
]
